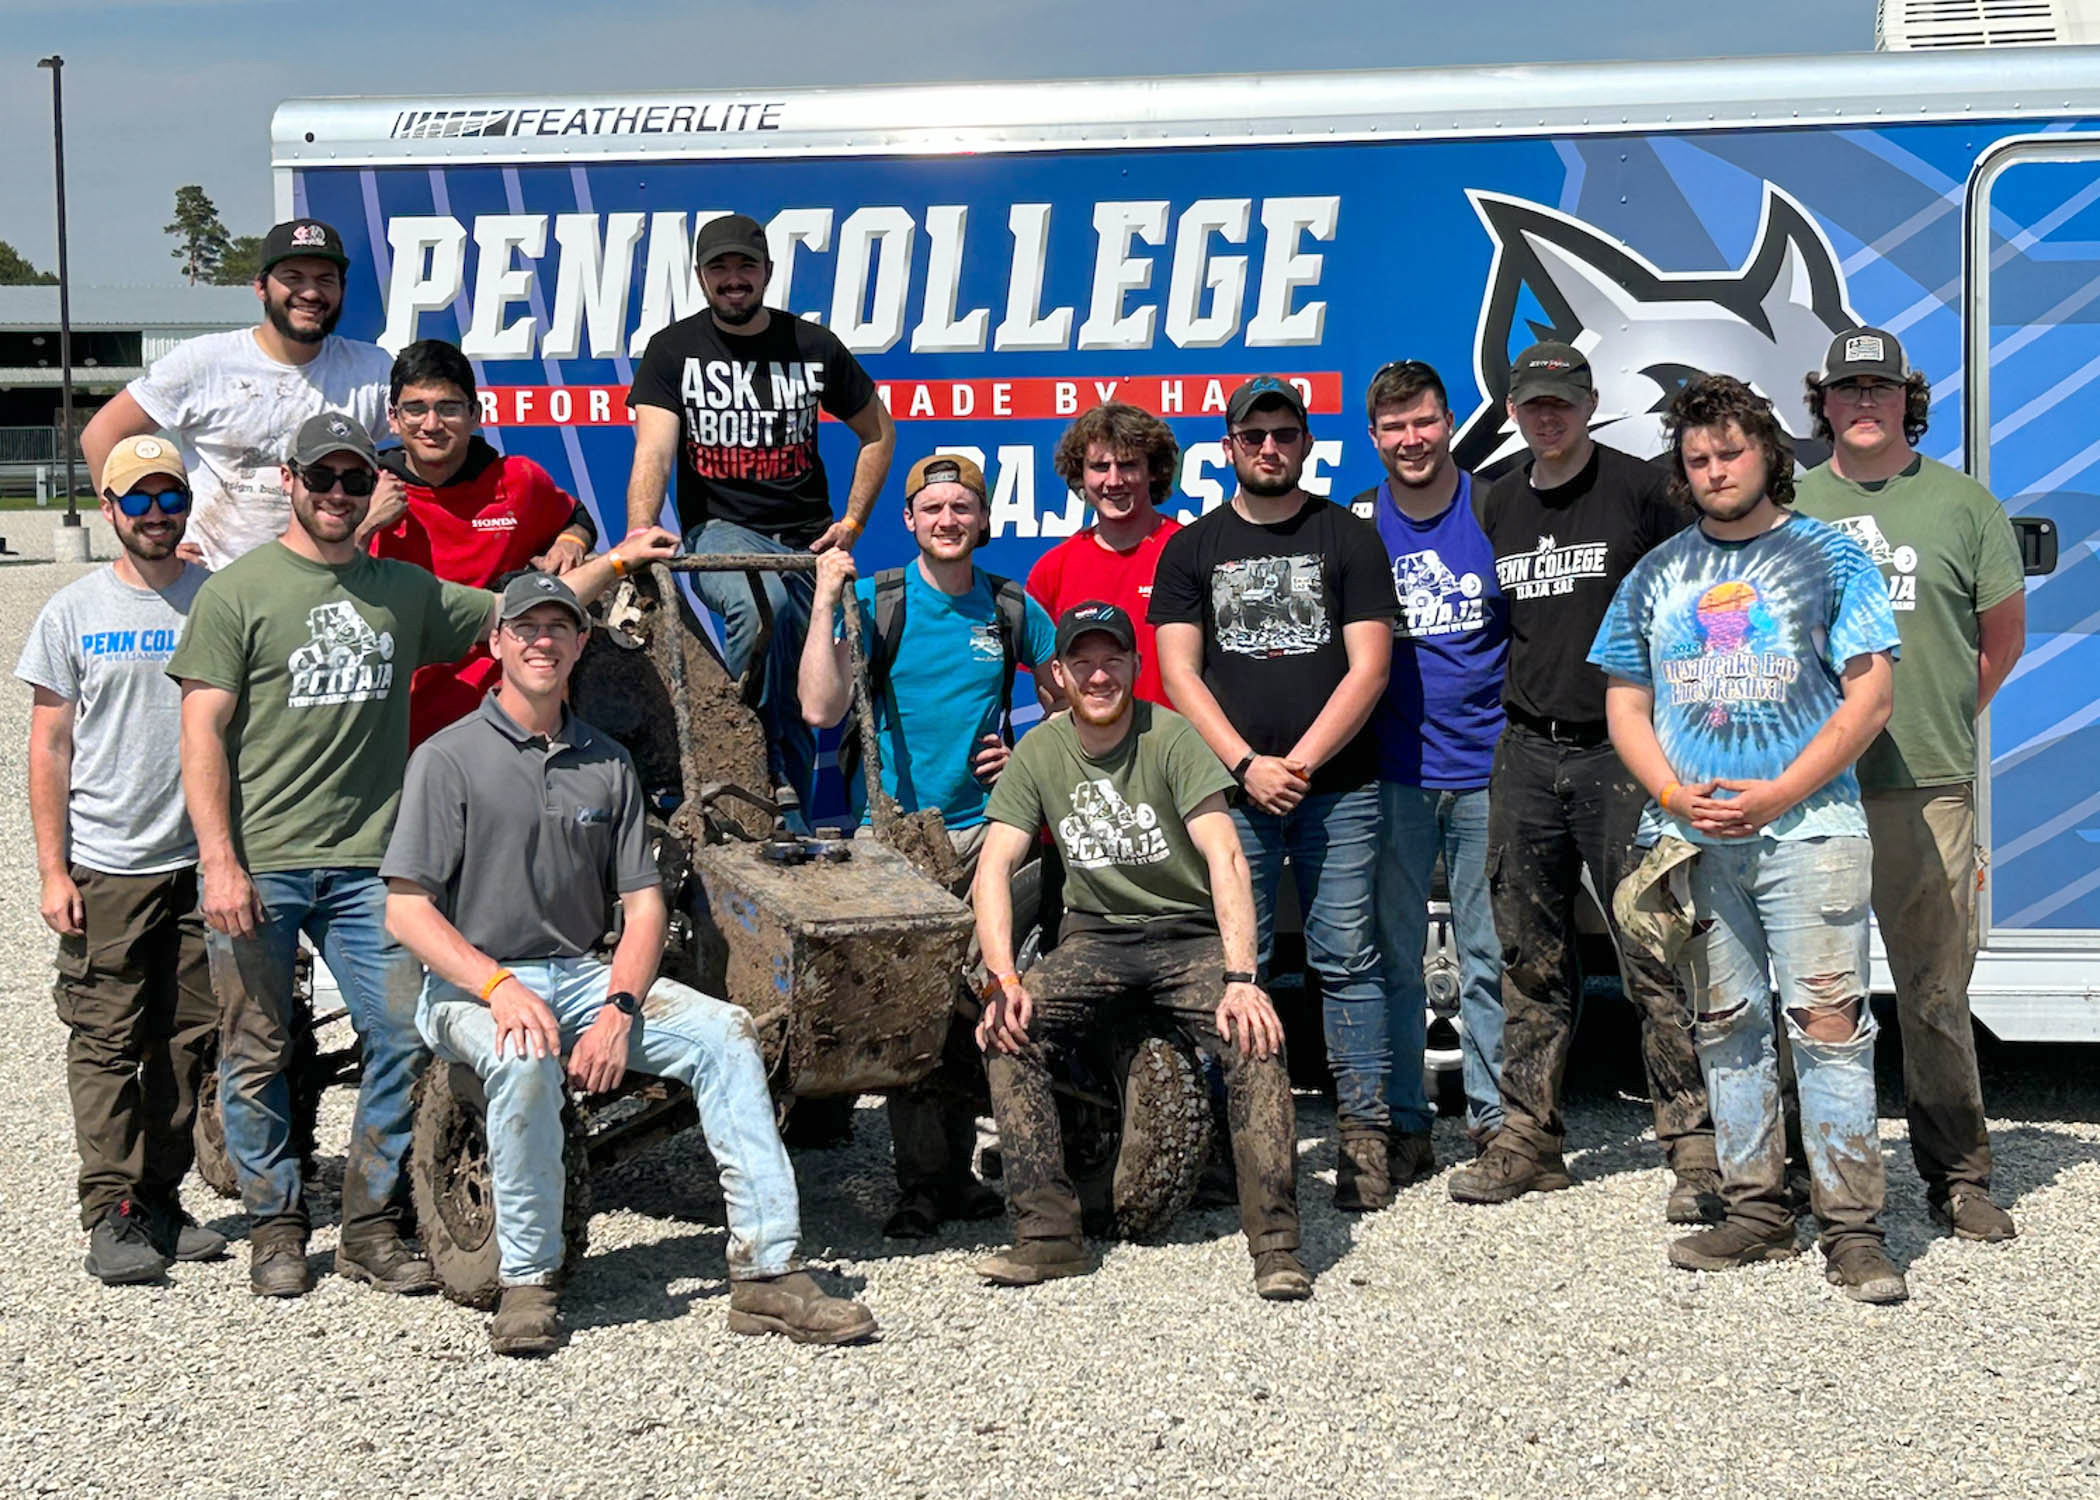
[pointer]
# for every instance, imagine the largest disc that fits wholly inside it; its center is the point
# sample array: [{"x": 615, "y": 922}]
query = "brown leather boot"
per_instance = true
[
  {"x": 527, "y": 1322},
  {"x": 796, "y": 1306},
  {"x": 1363, "y": 1181}
]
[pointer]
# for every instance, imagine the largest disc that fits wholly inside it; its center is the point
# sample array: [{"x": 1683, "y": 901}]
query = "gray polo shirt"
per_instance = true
[{"x": 522, "y": 839}]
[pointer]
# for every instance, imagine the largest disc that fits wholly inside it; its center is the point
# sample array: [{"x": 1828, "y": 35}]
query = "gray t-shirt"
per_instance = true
[
  {"x": 103, "y": 646},
  {"x": 523, "y": 840}
]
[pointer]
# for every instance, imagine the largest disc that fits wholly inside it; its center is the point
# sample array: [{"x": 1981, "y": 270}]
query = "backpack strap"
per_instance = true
[
  {"x": 888, "y": 630},
  {"x": 1012, "y": 610}
]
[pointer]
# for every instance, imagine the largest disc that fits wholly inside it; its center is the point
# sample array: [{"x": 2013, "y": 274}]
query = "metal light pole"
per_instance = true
[{"x": 65, "y": 307}]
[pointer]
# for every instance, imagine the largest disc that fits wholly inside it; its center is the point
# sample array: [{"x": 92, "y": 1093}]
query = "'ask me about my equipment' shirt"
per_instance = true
[
  {"x": 747, "y": 409},
  {"x": 1560, "y": 555},
  {"x": 319, "y": 659}
]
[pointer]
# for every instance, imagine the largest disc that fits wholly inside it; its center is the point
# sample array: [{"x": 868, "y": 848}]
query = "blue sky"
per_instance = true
[{"x": 165, "y": 92}]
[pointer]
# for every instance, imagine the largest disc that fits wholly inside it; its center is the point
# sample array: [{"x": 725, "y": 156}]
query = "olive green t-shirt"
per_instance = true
[
  {"x": 1948, "y": 553},
  {"x": 319, "y": 658},
  {"x": 1121, "y": 822}
]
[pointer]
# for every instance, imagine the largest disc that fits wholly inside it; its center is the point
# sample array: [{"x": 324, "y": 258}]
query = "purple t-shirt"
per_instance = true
[{"x": 1442, "y": 710}]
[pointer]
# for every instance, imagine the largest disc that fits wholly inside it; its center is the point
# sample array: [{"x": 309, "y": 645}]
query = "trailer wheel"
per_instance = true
[{"x": 454, "y": 1192}]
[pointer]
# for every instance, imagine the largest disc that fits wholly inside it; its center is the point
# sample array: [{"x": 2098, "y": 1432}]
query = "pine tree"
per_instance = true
[
  {"x": 201, "y": 240},
  {"x": 241, "y": 263},
  {"x": 15, "y": 269}
]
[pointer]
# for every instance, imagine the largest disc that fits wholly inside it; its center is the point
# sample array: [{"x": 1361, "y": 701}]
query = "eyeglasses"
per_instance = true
[
  {"x": 1250, "y": 439},
  {"x": 1861, "y": 390},
  {"x": 171, "y": 502},
  {"x": 319, "y": 479},
  {"x": 446, "y": 411},
  {"x": 525, "y": 632}
]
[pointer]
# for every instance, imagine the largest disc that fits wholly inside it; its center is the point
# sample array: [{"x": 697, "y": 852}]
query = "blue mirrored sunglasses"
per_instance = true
[{"x": 138, "y": 502}]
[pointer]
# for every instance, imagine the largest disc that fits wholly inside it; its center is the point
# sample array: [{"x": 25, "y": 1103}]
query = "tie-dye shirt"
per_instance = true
[{"x": 1744, "y": 645}]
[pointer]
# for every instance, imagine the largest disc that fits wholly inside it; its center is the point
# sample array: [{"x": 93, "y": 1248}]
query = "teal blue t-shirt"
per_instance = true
[
  {"x": 943, "y": 692},
  {"x": 1745, "y": 645}
]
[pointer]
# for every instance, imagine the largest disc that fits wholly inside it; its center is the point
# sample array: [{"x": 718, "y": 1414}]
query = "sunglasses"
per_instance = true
[
  {"x": 138, "y": 502},
  {"x": 1251, "y": 439},
  {"x": 319, "y": 479}
]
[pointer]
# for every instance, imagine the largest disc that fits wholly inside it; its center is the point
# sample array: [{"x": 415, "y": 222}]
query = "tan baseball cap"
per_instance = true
[
  {"x": 135, "y": 457},
  {"x": 944, "y": 468}
]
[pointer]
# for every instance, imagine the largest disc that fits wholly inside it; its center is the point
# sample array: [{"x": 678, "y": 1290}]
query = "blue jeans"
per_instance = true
[
  {"x": 704, "y": 1043},
  {"x": 1420, "y": 821},
  {"x": 344, "y": 912},
  {"x": 791, "y": 750},
  {"x": 1332, "y": 841},
  {"x": 1801, "y": 905}
]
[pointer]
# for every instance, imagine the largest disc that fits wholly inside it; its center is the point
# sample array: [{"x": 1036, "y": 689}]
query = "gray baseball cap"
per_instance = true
[
  {"x": 530, "y": 590},
  {"x": 333, "y": 432},
  {"x": 732, "y": 234},
  {"x": 1864, "y": 351}
]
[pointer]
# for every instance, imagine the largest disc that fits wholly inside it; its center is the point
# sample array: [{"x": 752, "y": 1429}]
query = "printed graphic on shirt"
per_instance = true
[
  {"x": 157, "y": 644},
  {"x": 1434, "y": 600},
  {"x": 347, "y": 661},
  {"x": 1735, "y": 663},
  {"x": 1550, "y": 568},
  {"x": 734, "y": 432},
  {"x": 1102, "y": 829},
  {"x": 1899, "y": 565},
  {"x": 1271, "y": 606},
  {"x": 984, "y": 641}
]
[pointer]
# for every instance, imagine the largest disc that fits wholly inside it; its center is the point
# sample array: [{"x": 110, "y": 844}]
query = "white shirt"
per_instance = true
[{"x": 234, "y": 411}]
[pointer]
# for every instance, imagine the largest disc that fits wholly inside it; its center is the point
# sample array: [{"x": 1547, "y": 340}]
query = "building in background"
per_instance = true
[{"x": 1916, "y": 25}]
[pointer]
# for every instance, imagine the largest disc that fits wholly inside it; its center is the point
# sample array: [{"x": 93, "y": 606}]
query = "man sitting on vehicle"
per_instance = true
[
  {"x": 517, "y": 826},
  {"x": 1160, "y": 917}
]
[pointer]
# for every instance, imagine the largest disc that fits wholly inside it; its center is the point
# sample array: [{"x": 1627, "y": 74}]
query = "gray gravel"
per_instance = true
[{"x": 1542, "y": 1349}]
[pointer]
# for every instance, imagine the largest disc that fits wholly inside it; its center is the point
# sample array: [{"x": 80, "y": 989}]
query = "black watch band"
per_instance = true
[
  {"x": 1238, "y": 976},
  {"x": 624, "y": 1002},
  {"x": 1239, "y": 772}
]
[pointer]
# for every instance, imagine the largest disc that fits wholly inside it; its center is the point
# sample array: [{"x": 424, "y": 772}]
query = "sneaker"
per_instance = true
[
  {"x": 1733, "y": 1243},
  {"x": 1031, "y": 1262},
  {"x": 386, "y": 1262},
  {"x": 1278, "y": 1277},
  {"x": 1410, "y": 1157},
  {"x": 181, "y": 1237},
  {"x": 796, "y": 1306},
  {"x": 121, "y": 1248},
  {"x": 1866, "y": 1273},
  {"x": 527, "y": 1323},
  {"x": 1504, "y": 1174},
  {"x": 1968, "y": 1214},
  {"x": 1362, "y": 1180},
  {"x": 1695, "y": 1197},
  {"x": 277, "y": 1264}
]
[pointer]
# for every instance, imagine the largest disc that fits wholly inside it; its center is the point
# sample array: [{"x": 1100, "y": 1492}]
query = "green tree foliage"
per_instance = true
[
  {"x": 15, "y": 269},
  {"x": 201, "y": 241},
  {"x": 241, "y": 263}
]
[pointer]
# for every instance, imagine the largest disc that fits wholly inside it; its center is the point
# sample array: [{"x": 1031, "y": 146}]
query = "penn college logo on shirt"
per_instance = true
[
  {"x": 1898, "y": 564},
  {"x": 347, "y": 661},
  {"x": 1271, "y": 606},
  {"x": 1550, "y": 568},
  {"x": 1735, "y": 667},
  {"x": 1433, "y": 600},
  {"x": 1102, "y": 829},
  {"x": 733, "y": 432}
]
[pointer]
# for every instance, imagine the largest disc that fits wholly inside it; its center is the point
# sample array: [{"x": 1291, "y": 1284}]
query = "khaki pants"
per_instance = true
[{"x": 1925, "y": 900}]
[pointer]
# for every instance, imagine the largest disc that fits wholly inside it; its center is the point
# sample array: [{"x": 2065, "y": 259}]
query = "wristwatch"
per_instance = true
[
  {"x": 1238, "y": 976},
  {"x": 624, "y": 1002},
  {"x": 1239, "y": 772}
]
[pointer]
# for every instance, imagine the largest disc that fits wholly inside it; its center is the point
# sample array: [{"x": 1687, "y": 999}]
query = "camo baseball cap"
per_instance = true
[
  {"x": 296, "y": 237},
  {"x": 530, "y": 590},
  {"x": 1095, "y": 614},
  {"x": 333, "y": 432},
  {"x": 1263, "y": 390},
  {"x": 1864, "y": 351},
  {"x": 1653, "y": 904},
  {"x": 1560, "y": 371}
]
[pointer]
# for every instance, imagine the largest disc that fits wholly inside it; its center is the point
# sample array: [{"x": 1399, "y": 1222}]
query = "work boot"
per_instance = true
[
  {"x": 1031, "y": 1262},
  {"x": 180, "y": 1237},
  {"x": 922, "y": 1211},
  {"x": 1866, "y": 1273},
  {"x": 277, "y": 1262},
  {"x": 1410, "y": 1158},
  {"x": 1362, "y": 1181},
  {"x": 527, "y": 1322},
  {"x": 1504, "y": 1174},
  {"x": 383, "y": 1260},
  {"x": 1278, "y": 1277},
  {"x": 121, "y": 1248},
  {"x": 1733, "y": 1243},
  {"x": 1695, "y": 1197},
  {"x": 1968, "y": 1213},
  {"x": 795, "y": 1305}
]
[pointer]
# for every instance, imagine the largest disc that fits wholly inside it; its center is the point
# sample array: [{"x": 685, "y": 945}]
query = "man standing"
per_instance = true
[
  {"x": 1161, "y": 916},
  {"x": 1566, "y": 529},
  {"x": 946, "y": 639},
  {"x": 1436, "y": 728},
  {"x": 505, "y": 906},
  {"x": 1123, "y": 460},
  {"x": 1274, "y": 618},
  {"x": 294, "y": 676},
  {"x": 119, "y": 869},
  {"x": 730, "y": 397},
  {"x": 233, "y": 400},
  {"x": 1954, "y": 581},
  {"x": 1749, "y": 666}
]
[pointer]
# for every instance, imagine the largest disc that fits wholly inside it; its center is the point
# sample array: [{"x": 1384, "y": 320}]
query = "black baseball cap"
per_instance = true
[
  {"x": 1551, "y": 369},
  {"x": 332, "y": 432},
  {"x": 1263, "y": 390},
  {"x": 732, "y": 234},
  {"x": 530, "y": 590},
  {"x": 1095, "y": 614},
  {"x": 298, "y": 237},
  {"x": 1864, "y": 351}
]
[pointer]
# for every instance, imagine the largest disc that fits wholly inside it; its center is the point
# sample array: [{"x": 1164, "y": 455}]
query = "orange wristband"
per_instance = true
[
  {"x": 1664, "y": 799},
  {"x": 995, "y": 985},
  {"x": 495, "y": 979},
  {"x": 619, "y": 567}
]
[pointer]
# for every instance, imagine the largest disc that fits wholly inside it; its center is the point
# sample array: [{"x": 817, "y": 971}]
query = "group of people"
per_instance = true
[{"x": 1739, "y": 703}]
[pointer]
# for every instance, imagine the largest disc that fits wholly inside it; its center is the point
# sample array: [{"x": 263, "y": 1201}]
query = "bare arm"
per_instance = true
[
  {"x": 230, "y": 902},
  {"x": 1008, "y": 1008},
  {"x": 599, "y": 1061},
  {"x": 878, "y": 445},
  {"x": 2001, "y": 635},
  {"x": 1369, "y": 645},
  {"x": 120, "y": 417},
  {"x": 637, "y": 549},
  {"x": 50, "y": 795},
  {"x": 655, "y": 451},
  {"x": 525, "y": 1025},
  {"x": 1629, "y": 712},
  {"x": 822, "y": 680},
  {"x": 1273, "y": 783},
  {"x": 1245, "y": 1015}
]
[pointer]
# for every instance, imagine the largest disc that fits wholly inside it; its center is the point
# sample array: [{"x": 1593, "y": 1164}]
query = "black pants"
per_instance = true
[{"x": 1555, "y": 810}]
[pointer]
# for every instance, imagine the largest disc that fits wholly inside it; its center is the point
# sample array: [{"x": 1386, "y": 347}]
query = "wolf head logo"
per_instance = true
[{"x": 1648, "y": 331}]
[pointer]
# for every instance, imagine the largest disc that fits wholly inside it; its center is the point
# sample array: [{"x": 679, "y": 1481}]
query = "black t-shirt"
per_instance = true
[
  {"x": 1272, "y": 601},
  {"x": 747, "y": 410},
  {"x": 1560, "y": 555}
]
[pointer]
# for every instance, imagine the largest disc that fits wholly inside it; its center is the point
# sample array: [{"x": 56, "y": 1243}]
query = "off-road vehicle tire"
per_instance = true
[{"x": 1136, "y": 1169}]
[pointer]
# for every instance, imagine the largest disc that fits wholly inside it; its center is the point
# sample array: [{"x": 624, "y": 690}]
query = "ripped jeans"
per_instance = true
[{"x": 1801, "y": 906}]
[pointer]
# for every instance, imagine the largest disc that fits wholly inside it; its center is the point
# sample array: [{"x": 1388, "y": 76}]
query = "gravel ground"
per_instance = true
[{"x": 1540, "y": 1349}]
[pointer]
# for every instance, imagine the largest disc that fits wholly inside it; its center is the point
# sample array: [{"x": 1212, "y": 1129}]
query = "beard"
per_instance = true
[
  {"x": 281, "y": 320},
  {"x": 735, "y": 317},
  {"x": 146, "y": 549},
  {"x": 1254, "y": 482},
  {"x": 1102, "y": 718},
  {"x": 326, "y": 526},
  {"x": 1730, "y": 510}
]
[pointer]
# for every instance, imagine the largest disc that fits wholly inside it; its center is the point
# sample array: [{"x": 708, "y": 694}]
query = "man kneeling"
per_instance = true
[
  {"x": 517, "y": 825},
  {"x": 1154, "y": 877}
]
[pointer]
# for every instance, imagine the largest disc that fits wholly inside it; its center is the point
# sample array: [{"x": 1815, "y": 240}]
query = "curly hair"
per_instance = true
[
  {"x": 1122, "y": 429},
  {"x": 1715, "y": 401},
  {"x": 1917, "y": 404}
]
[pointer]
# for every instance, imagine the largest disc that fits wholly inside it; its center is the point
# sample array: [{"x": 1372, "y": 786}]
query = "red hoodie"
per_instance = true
[{"x": 496, "y": 515}]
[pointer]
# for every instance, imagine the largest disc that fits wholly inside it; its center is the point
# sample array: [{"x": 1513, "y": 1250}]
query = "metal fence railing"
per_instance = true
[{"x": 29, "y": 445}]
